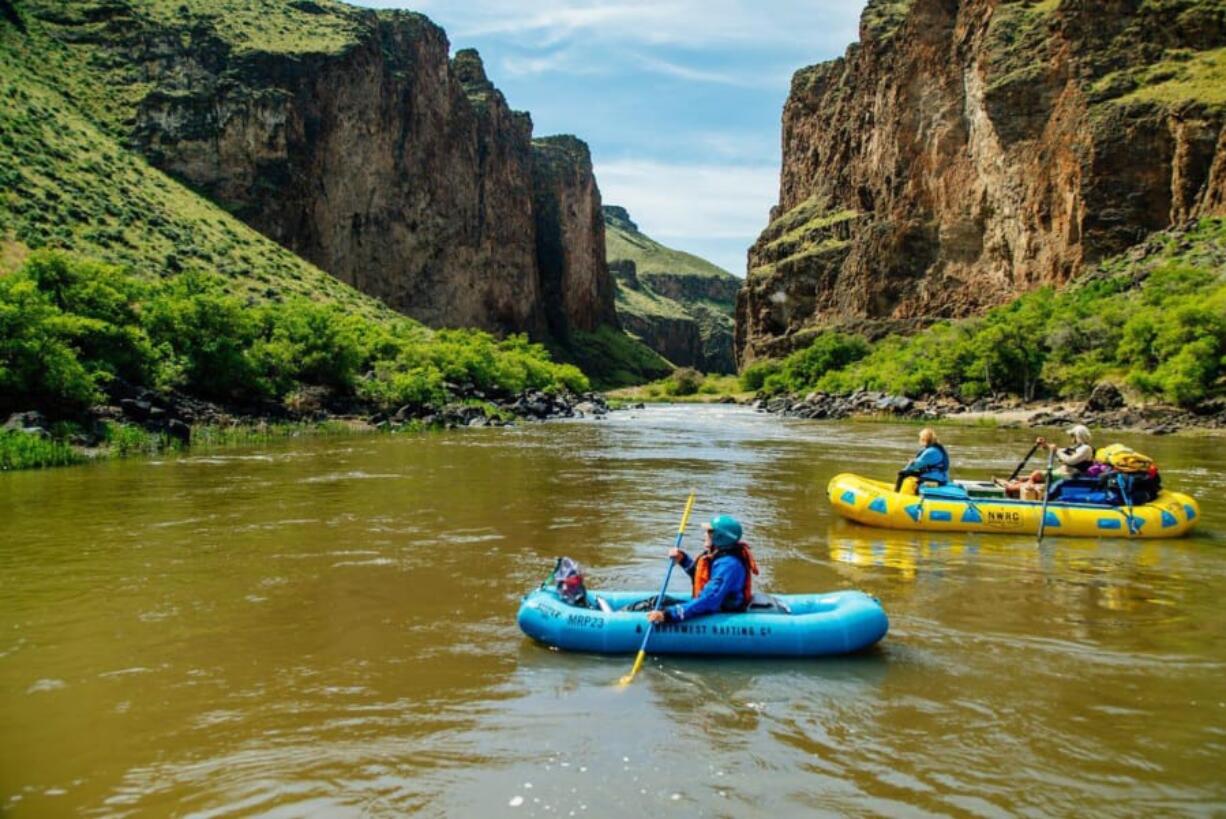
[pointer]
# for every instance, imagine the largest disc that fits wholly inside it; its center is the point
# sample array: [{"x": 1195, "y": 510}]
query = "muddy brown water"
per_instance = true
[{"x": 327, "y": 627}]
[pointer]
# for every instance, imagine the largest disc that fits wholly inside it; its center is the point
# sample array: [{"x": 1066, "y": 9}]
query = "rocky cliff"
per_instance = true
[
  {"x": 965, "y": 152},
  {"x": 679, "y": 304},
  {"x": 570, "y": 237},
  {"x": 350, "y": 137}
]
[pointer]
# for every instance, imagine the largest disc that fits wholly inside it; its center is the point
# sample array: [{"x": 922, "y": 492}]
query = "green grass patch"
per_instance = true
[
  {"x": 1017, "y": 41},
  {"x": 647, "y": 303},
  {"x": 21, "y": 450},
  {"x": 1199, "y": 77},
  {"x": 882, "y": 18},
  {"x": 649, "y": 256},
  {"x": 684, "y": 386}
]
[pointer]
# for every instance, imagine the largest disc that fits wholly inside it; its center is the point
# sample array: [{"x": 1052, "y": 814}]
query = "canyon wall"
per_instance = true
[
  {"x": 965, "y": 152},
  {"x": 351, "y": 138},
  {"x": 570, "y": 237}
]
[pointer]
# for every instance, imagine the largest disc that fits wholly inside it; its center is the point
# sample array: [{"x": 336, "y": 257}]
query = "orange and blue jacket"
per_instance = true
[{"x": 723, "y": 581}]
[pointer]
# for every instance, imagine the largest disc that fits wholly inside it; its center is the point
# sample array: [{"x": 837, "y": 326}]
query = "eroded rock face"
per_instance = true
[
  {"x": 675, "y": 338},
  {"x": 964, "y": 153},
  {"x": 375, "y": 156},
  {"x": 384, "y": 164},
  {"x": 570, "y": 237}
]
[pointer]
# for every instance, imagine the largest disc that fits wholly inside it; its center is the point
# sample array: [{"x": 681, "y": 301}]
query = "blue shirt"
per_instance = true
[
  {"x": 931, "y": 464},
  {"x": 724, "y": 590}
]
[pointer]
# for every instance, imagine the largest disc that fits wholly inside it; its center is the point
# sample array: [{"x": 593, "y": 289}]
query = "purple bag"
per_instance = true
[{"x": 1095, "y": 469}]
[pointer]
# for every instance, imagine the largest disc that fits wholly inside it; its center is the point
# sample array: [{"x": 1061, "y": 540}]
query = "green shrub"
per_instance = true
[
  {"x": 68, "y": 326},
  {"x": 308, "y": 343},
  {"x": 755, "y": 375},
  {"x": 391, "y": 388},
  {"x": 684, "y": 381},
  {"x": 803, "y": 369},
  {"x": 209, "y": 334}
]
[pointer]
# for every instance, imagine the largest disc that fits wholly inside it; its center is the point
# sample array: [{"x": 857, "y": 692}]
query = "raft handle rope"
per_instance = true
[{"x": 1129, "y": 519}]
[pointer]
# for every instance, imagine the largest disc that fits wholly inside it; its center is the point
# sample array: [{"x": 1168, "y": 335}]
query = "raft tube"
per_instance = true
[
  {"x": 817, "y": 625},
  {"x": 875, "y": 503}
]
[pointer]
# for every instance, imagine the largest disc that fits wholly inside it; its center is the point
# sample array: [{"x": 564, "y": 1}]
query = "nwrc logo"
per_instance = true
[{"x": 1004, "y": 518}]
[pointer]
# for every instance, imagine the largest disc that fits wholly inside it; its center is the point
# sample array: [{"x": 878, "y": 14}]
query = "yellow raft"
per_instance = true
[{"x": 875, "y": 503}]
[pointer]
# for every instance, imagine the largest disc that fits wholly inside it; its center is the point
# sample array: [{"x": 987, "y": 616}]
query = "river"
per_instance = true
[{"x": 327, "y": 627}]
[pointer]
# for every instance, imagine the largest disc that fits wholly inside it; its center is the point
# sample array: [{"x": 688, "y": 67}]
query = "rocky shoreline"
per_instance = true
[
  {"x": 175, "y": 416},
  {"x": 1106, "y": 408}
]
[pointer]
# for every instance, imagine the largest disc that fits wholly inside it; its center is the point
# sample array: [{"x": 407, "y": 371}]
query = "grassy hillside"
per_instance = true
[
  {"x": 624, "y": 241},
  {"x": 83, "y": 45},
  {"x": 671, "y": 286},
  {"x": 64, "y": 183}
]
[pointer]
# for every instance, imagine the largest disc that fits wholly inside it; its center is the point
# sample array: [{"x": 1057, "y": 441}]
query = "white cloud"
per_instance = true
[
  {"x": 680, "y": 201},
  {"x": 519, "y": 66},
  {"x": 673, "y": 69}
]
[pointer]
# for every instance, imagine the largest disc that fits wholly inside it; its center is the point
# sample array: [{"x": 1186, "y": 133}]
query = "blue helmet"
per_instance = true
[{"x": 725, "y": 531}]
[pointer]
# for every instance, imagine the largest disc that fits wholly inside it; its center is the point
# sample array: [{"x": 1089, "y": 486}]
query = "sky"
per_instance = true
[{"x": 679, "y": 100}]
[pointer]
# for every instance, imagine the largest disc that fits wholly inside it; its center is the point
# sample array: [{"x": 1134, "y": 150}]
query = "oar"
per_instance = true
[
  {"x": 638, "y": 661},
  {"x": 1022, "y": 465},
  {"x": 1046, "y": 494}
]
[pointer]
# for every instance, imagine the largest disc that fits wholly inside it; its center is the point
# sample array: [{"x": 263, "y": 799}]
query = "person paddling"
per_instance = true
[
  {"x": 1077, "y": 457},
  {"x": 722, "y": 574},
  {"x": 930, "y": 464}
]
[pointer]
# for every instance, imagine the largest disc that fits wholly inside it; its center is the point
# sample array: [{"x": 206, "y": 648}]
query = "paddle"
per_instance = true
[
  {"x": 1046, "y": 494},
  {"x": 638, "y": 661},
  {"x": 1022, "y": 465}
]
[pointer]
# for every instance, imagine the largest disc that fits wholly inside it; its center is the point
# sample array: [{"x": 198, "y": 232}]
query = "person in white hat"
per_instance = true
[{"x": 1077, "y": 457}]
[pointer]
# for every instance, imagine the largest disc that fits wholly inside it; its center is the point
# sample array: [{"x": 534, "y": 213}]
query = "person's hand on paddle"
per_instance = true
[
  {"x": 677, "y": 555},
  {"x": 656, "y": 617}
]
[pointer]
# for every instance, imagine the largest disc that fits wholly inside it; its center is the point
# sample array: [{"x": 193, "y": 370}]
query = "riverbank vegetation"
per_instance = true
[
  {"x": 69, "y": 327},
  {"x": 29, "y": 450},
  {"x": 684, "y": 385},
  {"x": 1156, "y": 325}
]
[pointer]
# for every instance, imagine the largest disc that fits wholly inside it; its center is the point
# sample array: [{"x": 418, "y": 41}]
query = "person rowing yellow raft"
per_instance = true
[{"x": 1119, "y": 495}]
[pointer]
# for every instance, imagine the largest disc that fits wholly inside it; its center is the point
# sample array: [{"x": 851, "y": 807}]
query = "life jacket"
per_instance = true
[
  {"x": 938, "y": 473},
  {"x": 1123, "y": 459},
  {"x": 702, "y": 569}
]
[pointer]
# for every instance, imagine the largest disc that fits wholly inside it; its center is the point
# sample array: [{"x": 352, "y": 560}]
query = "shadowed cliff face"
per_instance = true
[
  {"x": 366, "y": 151},
  {"x": 570, "y": 237},
  {"x": 965, "y": 152}
]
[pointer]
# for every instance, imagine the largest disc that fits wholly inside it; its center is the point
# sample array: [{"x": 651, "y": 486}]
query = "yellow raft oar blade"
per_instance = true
[{"x": 638, "y": 663}]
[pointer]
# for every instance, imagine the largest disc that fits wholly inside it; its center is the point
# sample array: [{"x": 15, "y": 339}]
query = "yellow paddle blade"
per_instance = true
[
  {"x": 689, "y": 504},
  {"x": 638, "y": 663}
]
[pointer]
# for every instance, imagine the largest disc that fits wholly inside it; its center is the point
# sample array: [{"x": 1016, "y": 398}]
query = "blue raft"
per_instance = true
[{"x": 786, "y": 625}]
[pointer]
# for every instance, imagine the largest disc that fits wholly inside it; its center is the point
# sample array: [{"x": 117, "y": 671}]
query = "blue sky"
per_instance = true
[{"x": 679, "y": 100}]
